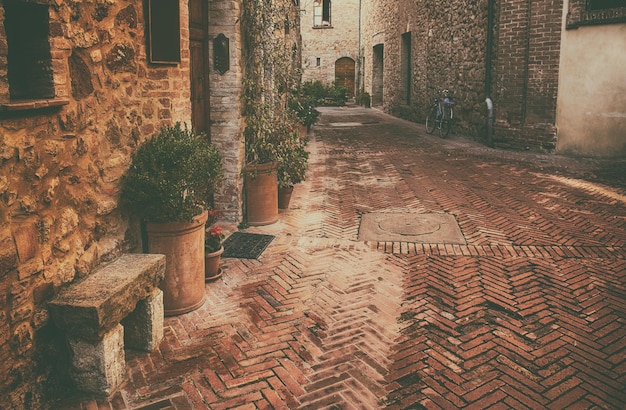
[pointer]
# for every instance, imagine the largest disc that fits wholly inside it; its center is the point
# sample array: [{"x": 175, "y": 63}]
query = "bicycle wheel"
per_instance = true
[
  {"x": 431, "y": 119},
  {"x": 446, "y": 121}
]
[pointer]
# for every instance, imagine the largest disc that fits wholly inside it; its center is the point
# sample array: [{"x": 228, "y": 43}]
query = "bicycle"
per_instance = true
[{"x": 441, "y": 114}]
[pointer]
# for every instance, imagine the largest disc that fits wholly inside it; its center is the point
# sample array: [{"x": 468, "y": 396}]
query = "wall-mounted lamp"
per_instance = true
[{"x": 221, "y": 53}]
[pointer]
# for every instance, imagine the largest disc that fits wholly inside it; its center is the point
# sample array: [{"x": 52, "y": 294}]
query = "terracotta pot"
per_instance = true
[
  {"x": 261, "y": 193},
  {"x": 284, "y": 197},
  {"x": 303, "y": 130},
  {"x": 182, "y": 243},
  {"x": 212, "y": 268}
]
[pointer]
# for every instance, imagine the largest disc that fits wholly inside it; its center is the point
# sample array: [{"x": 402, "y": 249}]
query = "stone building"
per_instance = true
[
  {"x": 550, "y": 68},
  {"x": 82, "y": 85},
  {"x": 330, "y": 47}
]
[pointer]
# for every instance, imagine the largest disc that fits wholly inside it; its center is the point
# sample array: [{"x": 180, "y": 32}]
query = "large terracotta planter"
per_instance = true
[
  {"x": 182, "y": 243},
  {"x": 261, "y": 193}
]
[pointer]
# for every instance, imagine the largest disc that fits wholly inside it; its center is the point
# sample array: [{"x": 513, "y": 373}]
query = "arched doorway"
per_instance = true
[{"x": 345, "y": 74}]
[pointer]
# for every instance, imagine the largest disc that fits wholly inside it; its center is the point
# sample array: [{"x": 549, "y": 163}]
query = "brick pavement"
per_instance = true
[{"x": 529, "y": 313}]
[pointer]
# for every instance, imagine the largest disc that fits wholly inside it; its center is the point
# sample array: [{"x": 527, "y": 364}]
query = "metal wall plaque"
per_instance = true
[{"x": 221, "y": 53}]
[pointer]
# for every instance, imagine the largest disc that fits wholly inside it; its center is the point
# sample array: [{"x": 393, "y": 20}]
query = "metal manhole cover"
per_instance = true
[{"x": 408, "y": 227}]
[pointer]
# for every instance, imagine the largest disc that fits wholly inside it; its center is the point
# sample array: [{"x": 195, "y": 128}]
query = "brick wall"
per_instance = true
[
  {"x": 60, "y": 170},
  {"x": 526, "y": 69}
]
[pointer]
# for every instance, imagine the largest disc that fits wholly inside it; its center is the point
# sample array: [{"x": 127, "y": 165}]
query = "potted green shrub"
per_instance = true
[
  {"x": 292, "y": 159},
  {"x": 305, "y": 111},
  {"x": 170, "y": 185}
]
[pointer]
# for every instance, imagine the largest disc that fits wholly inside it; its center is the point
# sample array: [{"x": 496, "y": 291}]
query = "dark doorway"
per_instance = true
[
  {"x": 344, "y": 74},
  {"x": 406, "y": 71},
  {"x": 377, "y": 75},
  {"x": 199, "y": 65}
]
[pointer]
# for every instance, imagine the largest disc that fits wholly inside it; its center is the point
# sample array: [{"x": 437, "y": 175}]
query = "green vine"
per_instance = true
[{"x": 271, "y": 73}]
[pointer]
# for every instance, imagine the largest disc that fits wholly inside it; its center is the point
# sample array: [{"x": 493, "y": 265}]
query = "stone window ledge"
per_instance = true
[
  {"x": 322, "y": 27},
  {"x": 25, "y": 105}
]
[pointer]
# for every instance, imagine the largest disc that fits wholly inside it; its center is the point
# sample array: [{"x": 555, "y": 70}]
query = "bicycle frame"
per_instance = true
[{"x": 441, "y": 114}]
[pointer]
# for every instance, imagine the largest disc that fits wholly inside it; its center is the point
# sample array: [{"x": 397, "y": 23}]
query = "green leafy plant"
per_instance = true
[
  {"x": 292, "y": 160},
  {"x": 271, "y": 70},
  {"x": 325, "y": 94},
  {"x": 172, "y": 176},
  {"x": 304, "y": 109},
  {"x": 364, "y": 99}
]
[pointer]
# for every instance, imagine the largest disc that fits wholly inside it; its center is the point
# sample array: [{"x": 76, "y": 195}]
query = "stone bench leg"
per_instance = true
[
  {"x": 99, "y": 367},
  {"x": 143, "y": 328}
]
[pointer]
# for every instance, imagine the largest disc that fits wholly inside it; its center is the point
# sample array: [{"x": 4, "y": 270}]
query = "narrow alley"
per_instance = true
[{"x": 525, "y": 308}]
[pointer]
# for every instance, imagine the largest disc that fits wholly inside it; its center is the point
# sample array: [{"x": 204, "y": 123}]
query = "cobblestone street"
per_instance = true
[{"x": 527, "y": 311}]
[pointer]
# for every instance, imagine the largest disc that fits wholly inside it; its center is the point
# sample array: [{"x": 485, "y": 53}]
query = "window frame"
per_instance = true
[
  {"x": 54, "y": 97},
  {"x": 581, "y": 14},
  {"x": 321, "y": 9}
]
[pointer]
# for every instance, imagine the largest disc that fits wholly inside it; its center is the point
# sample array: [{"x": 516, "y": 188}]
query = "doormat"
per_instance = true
[{"x": 246, "y": 245}]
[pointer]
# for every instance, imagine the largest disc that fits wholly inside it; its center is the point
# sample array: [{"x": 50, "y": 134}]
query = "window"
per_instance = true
[
  {"x": 605, "y": 4},
  {"x": 586, "y": 12},
  {"x": 29, "y": 62},
  {"x": 321, "y": 13},
  {"x": 318, "y": 62}
]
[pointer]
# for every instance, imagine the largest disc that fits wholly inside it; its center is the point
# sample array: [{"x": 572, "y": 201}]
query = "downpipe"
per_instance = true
[
  {"x": 488, "y": 68},
  {"x": 489, "y": 121}
]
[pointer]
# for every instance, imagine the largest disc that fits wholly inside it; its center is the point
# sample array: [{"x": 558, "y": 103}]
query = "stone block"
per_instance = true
[
  {"x": 92, "y": 307},
  {"x": 98, "y": 367},
  {"x": 143, "y": 328}
]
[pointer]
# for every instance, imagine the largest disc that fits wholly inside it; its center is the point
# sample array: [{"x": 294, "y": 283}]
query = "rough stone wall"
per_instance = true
[
  {"x": 448, "y": 42},
  {"x": 447, "y": 51},
  {"x": 60, "y": 169},
  {"x": 225, "y": 94},
  {"x": 330, "y": 43}
]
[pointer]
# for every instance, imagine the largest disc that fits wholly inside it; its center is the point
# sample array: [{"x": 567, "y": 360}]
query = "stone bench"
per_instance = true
[{"x": 118, "y": 305}]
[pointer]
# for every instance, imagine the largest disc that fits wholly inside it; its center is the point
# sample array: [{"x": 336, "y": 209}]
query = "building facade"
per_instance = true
[
  {"x": 330, "y": 47},
  {"x": 82, "y": 85},
  {"x": 533, "y": 60}
]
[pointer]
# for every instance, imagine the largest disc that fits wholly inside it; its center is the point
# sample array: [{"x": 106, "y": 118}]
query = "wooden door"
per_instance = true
[
  {"x": 345, "y": 74},
  {"x": 199, "y": 65}
]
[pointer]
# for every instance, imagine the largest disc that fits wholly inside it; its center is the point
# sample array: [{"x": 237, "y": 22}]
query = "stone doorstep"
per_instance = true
[
  {"x": 90, "y": 311},
  {"x": 90, "y": 308}
]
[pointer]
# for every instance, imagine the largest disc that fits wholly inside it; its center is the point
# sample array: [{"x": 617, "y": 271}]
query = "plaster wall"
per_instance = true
[
  {"x": 591, "y": 112},
  {"x": 328, "y": 43}
]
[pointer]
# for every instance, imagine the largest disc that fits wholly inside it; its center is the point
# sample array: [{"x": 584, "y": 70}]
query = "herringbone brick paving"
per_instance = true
[{"x": 529, "y": 313}]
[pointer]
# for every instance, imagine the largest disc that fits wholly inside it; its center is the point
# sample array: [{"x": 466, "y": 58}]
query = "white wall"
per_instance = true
[{"x": 591, "y": 106}]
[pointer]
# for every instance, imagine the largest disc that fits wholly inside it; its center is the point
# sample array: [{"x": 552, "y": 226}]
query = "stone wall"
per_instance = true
[
  {"x": 225, "y": 94},
  {"x": 448, "y": 50},
  {"x": 328, "y": 43},
  {"x": 61, "y": 160},
  {"x": 447, "y": 44}
]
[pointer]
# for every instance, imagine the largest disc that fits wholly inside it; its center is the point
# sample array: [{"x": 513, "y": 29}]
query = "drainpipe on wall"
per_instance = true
[
  {"x": 360, "y": 82},
  {"x": 488, "y": 64}
]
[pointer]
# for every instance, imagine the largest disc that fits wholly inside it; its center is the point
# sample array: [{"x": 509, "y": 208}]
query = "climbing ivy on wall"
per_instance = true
[{"x": 271, "y": 74}]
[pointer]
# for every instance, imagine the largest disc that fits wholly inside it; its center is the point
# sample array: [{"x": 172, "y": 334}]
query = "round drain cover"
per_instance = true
[{"x": 409, "y": 225}]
